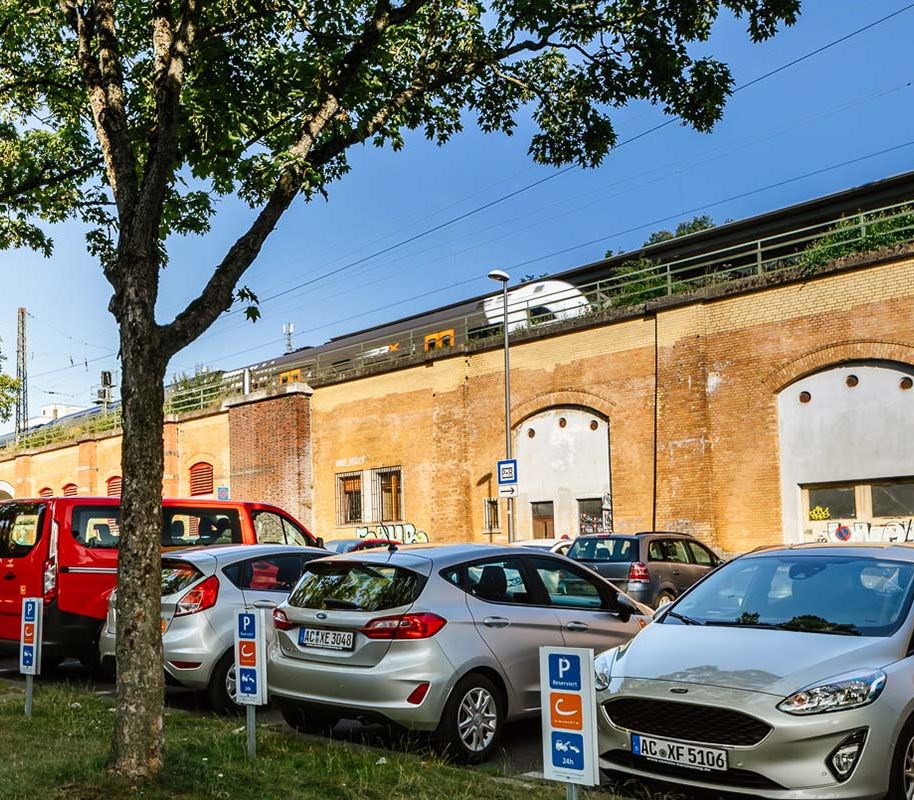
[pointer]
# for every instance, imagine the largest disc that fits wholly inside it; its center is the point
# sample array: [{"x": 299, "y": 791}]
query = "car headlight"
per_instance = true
[
  {"x": 602, "y": 669},
  {"x": 839, "y": 694}
]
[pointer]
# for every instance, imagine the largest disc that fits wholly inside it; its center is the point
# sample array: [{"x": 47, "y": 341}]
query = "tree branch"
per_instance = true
[{"x": 44, "y": 177}]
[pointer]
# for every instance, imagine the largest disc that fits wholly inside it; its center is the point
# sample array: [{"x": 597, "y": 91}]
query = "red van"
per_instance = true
[{"x": 65, "y": 548}]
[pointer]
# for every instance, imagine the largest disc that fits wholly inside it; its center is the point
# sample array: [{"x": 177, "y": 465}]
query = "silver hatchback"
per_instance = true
[
  {"x": 787, "y": 673},
  {"x": 443, "y": 639},
  {"x": 201, "y": 591}
]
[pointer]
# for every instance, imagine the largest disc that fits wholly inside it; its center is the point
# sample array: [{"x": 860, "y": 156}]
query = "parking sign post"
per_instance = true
[
  {"x": 569, "y": 718},
  {"x": 30, "y": 646},
  {"x": 250, "y": 669}
]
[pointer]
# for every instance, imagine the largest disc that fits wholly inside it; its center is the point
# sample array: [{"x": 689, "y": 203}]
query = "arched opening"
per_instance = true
[
  {"x": 7, "y": 491},
  {"x": 845, "y": 454},
  {"x": 46, "y": 492},
  {"x": 69, "y": 490},
  {"x": 113, "y": 486},
  {"x": 564, "y": 467}
]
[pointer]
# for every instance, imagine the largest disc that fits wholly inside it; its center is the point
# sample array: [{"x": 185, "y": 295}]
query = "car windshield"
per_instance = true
[
  {"x": 829, "y": 594},
  {"x": 613, "y": 549},
  {"x": 356, "y": 586}
]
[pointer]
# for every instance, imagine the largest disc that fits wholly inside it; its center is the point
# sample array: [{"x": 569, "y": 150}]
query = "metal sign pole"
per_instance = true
[
  {"x": 252, "y": 731},
  {"x": 572, "y": 791},
  {"x": 29, "y": 687}
]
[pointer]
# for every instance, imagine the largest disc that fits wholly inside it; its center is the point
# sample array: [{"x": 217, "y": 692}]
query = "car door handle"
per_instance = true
[
  {"x": 264, "y": 604},
  {"x": 496, "y": 622},
  {"x": 676, "y": 572},
  {"x": 10, "y": 576},
  {"x": 577, "y": 626}
]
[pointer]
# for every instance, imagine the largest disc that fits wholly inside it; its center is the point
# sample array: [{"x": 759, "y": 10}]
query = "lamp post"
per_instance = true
[{"x": 503, "y": 278}]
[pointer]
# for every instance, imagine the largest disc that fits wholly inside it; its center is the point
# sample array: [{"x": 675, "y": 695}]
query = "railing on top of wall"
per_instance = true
[{"x": 634, "y": 282}]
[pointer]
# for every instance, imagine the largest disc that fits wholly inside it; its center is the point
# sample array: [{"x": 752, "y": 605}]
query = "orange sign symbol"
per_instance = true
[
  {"x": 566, "y": 711},
  {"x": 247, "y": 654},
  {"x": 28, "y": 633}
]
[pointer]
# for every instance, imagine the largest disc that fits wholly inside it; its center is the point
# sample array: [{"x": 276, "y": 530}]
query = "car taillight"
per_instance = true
[
  {"x": 49, "y": 582},
  {"x": 281, "y": 621},
  {"x": 637, "y": 573},
  {"x": 200, "y": 598},
  {"x": 404, "y": 626}
]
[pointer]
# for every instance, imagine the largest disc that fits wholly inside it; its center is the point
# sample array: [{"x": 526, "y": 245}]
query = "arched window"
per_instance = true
[
  {"x": 201, "y": 479},
  {"x": 46, "y": 492},
  {"x": 114, "y": 486},
  {"x": 69, "y": 490}
]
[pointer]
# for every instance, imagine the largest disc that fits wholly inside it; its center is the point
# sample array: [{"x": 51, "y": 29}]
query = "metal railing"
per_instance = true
[{"x": 531, "y": 311}]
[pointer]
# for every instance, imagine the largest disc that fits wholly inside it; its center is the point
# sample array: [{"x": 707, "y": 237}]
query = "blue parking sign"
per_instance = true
[
  {"x": 567, "y": 750},
  {"x": 247, "y": 626},
  {"x": 565, "y": 672},
  {"x": 29, "y": 610},
  {"x": 247, "y": 681}
]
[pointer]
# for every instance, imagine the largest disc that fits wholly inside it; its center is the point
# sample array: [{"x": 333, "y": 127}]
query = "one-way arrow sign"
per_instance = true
[{"x": 508, "y": 491}]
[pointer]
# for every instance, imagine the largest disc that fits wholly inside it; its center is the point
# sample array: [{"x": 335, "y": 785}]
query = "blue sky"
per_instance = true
[{"x": 853, "y": 100}]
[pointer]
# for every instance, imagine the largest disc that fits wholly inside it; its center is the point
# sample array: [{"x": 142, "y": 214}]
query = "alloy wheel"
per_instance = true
[
  {"x": 477, "y": 719},
  {"x": 665, "y": 600},
  {"x": 230, "y": 682},
  {"x": 908, "y": 770}
]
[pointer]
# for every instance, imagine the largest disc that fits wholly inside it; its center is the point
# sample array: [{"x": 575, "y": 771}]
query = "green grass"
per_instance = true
[{"x": 61, "y": 755}]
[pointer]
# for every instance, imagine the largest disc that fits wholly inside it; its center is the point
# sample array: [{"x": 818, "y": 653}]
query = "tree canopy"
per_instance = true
[{"x": 8, "y": 389}]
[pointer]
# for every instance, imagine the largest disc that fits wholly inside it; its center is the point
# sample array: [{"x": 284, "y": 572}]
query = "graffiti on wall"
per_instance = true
[
  {"x": 893, "y": 530},
  {"x": 405, "y": 533}
]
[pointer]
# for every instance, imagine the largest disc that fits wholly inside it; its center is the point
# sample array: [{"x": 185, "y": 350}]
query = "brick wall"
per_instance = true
[{"x": 269, "y": 438}]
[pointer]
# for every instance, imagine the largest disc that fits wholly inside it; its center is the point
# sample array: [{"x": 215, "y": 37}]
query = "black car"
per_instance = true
[{"x": 653, "y": 567}]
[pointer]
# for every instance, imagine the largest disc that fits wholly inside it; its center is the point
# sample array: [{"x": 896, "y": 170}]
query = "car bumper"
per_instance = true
[
  {"x": 189, "y": 640},
  {"x": 790, "y": 762},
  {"x": 378, "y": 692}
]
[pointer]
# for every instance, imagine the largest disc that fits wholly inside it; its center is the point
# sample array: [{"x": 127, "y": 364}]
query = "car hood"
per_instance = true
[{"x": 752, "y": 659}]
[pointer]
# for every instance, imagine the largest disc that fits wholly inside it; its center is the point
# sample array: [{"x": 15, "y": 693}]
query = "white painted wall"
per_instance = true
[
  {"x": 561, "y": 465},
  {"x": 843, "y": 434}
]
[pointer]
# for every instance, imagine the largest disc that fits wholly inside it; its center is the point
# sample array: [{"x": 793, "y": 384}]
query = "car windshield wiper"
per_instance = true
[
  {"x": 837, "y": 630},
  {"x": 683, "y": 618},
  {"x": 333, "y": 602}
]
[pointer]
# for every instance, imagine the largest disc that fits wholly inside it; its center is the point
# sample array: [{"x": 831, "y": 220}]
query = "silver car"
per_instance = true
[
  {"x": 786, "y": 673},
  {"x": 201, "y": 591},
  {"x": 441, "y": 639}
]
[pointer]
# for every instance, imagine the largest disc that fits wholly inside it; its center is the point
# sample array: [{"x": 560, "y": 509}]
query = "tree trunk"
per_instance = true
[{"x": 138, "y": 731}]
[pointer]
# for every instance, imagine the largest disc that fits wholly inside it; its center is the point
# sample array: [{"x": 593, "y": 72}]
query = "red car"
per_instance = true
[
  {"x": 354, "y": 545},
  {"x": 65, "y": 548}
]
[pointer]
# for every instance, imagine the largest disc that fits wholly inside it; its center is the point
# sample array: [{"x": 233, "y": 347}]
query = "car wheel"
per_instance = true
[
  {"x": 472, "y": 721},
  {"x": 901, "y": 780},
  {"x": 221, "y": 689},
  {"x": 306, "y": 720},
  {"x": 663, "y": 599}
]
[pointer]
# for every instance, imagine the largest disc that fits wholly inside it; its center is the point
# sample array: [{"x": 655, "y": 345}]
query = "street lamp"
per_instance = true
[{"x": 503, "y": 278}]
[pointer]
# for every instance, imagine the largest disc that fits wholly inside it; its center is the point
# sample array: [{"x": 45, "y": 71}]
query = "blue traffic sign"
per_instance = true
[
  {"x": 567, "y": 750},
  {"x": 507, "y": 472},
  {"x": 28, "y": 655},
  {"x": 565, "y": 672},
  {"x": 247, "y": 626},
  {"x": 247, "y": 681},
  {"x": 29, "y": 612}
]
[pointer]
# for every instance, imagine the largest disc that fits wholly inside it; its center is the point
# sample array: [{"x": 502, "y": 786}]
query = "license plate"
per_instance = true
[
  {"x": 327, "y": 640},
  {"x": 679, "y": 753}
]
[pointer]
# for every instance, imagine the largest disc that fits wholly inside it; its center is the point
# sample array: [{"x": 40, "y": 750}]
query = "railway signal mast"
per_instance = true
[{"x": 22, "y": 376}]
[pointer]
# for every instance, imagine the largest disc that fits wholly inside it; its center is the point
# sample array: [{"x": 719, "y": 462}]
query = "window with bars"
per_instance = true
[
  {"x": 114, "y": 485},
  {"x": 201, "y": 479},
  {"x": 348, "y": 498},
  {"x": 490, "y": 520},
  {"x": 69, "y": 490},
  {"x": 387, "y": 494},
  {"x": 46, "y": 492}
]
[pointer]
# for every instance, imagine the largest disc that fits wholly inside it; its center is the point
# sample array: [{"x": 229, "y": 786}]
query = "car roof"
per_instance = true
[
  {"x": 637, "y": 534},
  {"x": 207, "y": 502},
  {"x": 898, "y": 551},
  {"x": 229, "y": 553},
  {"x": 441, "y": 555}
]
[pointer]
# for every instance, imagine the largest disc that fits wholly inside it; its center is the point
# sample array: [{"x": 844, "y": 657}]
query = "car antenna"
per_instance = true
[{"x": 391, "y": 546}]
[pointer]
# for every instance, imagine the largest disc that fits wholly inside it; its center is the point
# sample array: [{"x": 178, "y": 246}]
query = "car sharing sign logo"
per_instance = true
[
  {"x": 250, "y": 657},
  {"x": 569, "y": 715}
]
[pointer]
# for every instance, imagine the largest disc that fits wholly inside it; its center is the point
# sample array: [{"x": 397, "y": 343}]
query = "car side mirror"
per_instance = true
[
  {"x": 623, "y": 607},
  {"x": 319, "y": 542}
]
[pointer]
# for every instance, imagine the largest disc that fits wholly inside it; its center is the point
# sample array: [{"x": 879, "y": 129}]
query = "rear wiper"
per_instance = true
[
  {"x": 333, "y": 602},
  {"x": 683, "y": 618}
]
